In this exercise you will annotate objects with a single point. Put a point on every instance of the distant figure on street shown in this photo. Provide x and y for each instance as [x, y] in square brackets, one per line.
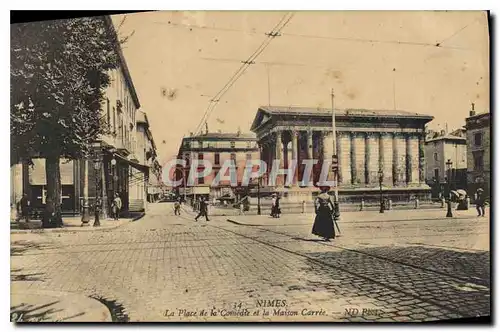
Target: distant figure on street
[23, 208]
[177, 207]
[324, 208]
[116, 206]
[303, 206]
[97, 210]
[480, 202]
[278, 209]
[203, 210]
[275, 209]
[273, 205]
[241, 208]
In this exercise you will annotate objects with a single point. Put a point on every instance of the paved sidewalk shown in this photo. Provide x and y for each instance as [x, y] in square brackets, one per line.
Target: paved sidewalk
[29, 306]
[73, 224]
[352, 217]
[296, 208]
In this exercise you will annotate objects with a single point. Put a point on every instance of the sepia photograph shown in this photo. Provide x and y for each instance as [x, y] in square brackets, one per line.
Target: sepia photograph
[250, 166]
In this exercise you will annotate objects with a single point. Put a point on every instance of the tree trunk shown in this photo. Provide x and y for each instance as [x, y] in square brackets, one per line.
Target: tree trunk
[53, 217]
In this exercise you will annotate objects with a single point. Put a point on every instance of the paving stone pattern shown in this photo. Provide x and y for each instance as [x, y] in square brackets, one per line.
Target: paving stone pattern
[169, 263]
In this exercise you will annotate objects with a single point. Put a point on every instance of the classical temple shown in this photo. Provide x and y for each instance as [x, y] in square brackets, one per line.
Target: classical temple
[375, 149]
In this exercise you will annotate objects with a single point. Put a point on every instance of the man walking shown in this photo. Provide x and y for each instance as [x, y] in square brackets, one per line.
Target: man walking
[177, 207]
[24, 208]
[480, 202]
[203, 210]
[116, 206]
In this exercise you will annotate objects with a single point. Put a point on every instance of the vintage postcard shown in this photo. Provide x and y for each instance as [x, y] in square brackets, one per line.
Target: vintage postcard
[251, 166]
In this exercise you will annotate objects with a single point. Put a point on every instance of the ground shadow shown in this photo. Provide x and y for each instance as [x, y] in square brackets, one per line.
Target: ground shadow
[309, 240]
[18, 248]
[26, 276]
[28, 313]
[409, 279]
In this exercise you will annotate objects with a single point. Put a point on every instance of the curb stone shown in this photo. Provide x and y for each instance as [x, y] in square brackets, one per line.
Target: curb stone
[94, 310]
[142, 215]
[235, 221]
[89, 228]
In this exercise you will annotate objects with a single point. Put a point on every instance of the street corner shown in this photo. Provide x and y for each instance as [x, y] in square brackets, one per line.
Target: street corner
[73, 225]
[53, 306]
[266, 220]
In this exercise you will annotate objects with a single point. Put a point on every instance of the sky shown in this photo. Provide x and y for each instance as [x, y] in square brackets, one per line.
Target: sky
[374, 60]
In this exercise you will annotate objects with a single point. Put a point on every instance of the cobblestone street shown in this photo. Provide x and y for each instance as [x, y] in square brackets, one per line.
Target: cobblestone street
[411, 266]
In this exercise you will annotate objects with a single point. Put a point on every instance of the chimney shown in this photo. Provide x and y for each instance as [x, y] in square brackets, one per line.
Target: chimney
[472, 111]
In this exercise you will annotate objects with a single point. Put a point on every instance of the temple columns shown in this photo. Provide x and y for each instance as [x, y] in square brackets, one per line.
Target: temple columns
[381, 156]
[328, 153]
[408, 160]
[352, 138]
[295, 154]
[367, 158]
[421, 159]
[310, 144]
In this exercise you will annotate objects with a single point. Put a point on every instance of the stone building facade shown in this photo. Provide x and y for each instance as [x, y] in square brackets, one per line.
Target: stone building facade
[107, 171]
[370, 144]
[478, 128]
[443, 149]
[216, 148]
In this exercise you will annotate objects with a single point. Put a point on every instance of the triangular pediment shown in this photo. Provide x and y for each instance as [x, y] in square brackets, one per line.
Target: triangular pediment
[261, 118]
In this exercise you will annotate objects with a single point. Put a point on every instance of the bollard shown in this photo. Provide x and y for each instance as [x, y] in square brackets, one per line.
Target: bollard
[417, 203]
[449, 214]
[362, 205]
[467, 203]
[390, 205]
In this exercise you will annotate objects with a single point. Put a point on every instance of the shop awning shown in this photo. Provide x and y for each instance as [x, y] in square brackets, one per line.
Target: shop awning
[142, 168]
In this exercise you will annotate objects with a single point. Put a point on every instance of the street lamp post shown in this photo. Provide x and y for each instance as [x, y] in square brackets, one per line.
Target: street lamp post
[449, 213]
[258, 183]
[380, 180]
[335, 161]
[98, 203]
[85, 206]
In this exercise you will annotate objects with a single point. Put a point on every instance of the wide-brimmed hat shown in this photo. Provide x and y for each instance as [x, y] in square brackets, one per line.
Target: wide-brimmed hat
[324, 188]
[480, 189]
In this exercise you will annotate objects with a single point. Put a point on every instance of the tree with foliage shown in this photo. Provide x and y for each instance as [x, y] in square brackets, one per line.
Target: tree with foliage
[59, 70]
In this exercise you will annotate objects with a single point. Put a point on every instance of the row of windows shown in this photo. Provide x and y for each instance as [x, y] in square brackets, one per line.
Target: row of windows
[216, 157]
[436, 157]
[123, 94]
[117, 124]
[478, 139]
[478, 157]
[219, 144]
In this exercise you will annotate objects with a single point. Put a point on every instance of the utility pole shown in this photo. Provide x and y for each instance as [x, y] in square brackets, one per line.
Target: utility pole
[394, 87]
[85, 209]
[335, 158]
[268, 86]
[184, 178]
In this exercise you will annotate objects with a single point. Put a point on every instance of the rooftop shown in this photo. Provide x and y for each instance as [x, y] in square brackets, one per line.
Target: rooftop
[448, 137]
[141, 117]
[224, 136]
[477, 116]
[341, 112]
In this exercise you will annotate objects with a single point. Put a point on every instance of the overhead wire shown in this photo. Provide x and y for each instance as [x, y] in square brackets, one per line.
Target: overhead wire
[270, 36]
[237, 74]
[346, 39]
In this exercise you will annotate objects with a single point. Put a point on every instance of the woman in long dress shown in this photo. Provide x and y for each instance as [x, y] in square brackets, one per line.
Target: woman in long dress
[323, 223]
